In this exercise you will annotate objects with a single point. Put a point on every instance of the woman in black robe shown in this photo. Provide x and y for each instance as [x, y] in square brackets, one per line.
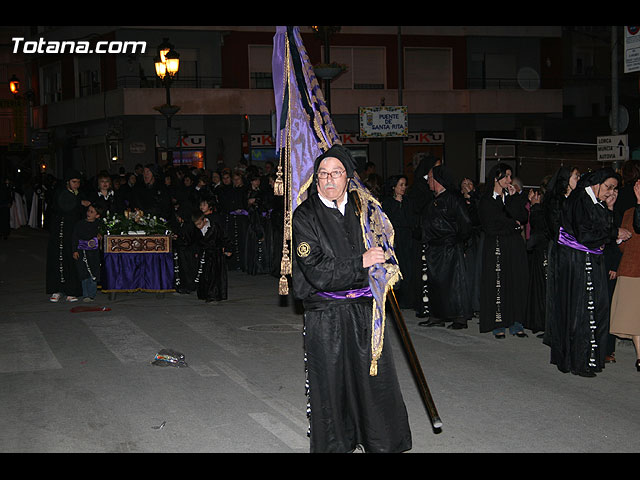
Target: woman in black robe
[473, 245]
[400, 210]
[66, 210]
[537, 251]
[503, 289]
[236, 218]
[258, 241]
[420, 196]
[211, 279]
[580, 317]
[561, 184]
[185, 249]
[445, 228]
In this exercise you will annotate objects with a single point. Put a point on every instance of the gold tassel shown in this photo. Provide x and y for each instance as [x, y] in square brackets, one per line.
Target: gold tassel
[283, 287]
[373, 370]
[285, 263]
[278, 186]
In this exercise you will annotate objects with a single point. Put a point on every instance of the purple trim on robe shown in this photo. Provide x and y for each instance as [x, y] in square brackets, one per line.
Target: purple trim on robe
[358, 292]
[239, 212]
[568, 240]
[91, 244]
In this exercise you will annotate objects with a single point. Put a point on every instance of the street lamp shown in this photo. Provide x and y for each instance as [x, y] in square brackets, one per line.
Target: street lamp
[167, 65]
[14, 85]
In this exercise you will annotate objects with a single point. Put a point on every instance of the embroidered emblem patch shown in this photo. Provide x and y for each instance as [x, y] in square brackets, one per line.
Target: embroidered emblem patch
[303, 249]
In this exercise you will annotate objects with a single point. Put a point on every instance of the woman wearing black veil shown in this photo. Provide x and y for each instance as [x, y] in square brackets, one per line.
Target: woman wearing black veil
[561, 184]
[504, 277]
[400, 210]
[579, 319]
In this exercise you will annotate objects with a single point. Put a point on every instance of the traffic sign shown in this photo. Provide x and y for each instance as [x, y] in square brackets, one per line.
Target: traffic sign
[613, 147]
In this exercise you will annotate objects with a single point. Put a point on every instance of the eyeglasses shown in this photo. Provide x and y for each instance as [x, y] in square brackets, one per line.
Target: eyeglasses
[334, 174]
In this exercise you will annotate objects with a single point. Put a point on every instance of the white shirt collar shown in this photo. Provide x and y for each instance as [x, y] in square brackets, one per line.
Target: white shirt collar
[591, 194]
[206, 226]
[331, 204]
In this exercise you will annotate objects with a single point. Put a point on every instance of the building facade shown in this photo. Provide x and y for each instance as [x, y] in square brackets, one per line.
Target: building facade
[460, 85]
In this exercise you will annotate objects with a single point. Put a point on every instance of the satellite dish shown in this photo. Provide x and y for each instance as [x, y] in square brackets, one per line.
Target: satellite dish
[528, 79]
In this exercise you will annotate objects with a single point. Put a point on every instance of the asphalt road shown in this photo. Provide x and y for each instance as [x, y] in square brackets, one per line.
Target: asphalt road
[85, 382]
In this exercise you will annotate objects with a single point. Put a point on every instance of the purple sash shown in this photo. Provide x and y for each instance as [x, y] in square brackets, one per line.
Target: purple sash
[91, 244]
[239, 212]
[358, 292]
[568, 240]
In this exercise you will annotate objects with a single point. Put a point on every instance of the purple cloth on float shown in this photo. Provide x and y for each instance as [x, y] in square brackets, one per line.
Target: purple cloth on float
[358, 292]
[568, 240]
[138, 271]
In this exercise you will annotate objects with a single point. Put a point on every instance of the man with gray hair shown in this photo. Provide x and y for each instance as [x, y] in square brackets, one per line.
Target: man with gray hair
[349, 406]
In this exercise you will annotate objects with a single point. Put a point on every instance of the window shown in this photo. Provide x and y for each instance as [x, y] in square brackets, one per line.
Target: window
[51, 84]
[88, 75]
[427, 69]
[365, 67]
[260, 66]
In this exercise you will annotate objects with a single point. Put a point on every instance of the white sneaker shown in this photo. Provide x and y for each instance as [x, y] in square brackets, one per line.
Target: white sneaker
[71, 298]
[55, 297]
[87, 299]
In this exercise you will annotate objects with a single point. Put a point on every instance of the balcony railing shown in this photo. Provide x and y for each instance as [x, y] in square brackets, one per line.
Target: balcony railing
[133, 81]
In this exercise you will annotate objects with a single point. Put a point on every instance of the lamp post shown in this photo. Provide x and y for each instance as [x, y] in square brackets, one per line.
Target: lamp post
[324, 33]
[167, 65]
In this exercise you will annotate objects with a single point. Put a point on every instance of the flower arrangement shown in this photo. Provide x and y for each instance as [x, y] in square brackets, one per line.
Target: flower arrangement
[133, 222]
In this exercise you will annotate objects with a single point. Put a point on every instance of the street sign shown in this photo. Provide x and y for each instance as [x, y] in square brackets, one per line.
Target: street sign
[631, 49]
[383, 121]
[613, 148]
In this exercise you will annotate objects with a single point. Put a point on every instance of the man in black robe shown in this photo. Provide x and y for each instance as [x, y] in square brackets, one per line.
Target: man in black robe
[348, 407]
[61, 273]
[445, 228]
[153, 198]
[579, 321]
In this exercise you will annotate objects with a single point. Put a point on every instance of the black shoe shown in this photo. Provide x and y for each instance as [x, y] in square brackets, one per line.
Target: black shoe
[457, 326]
[500, 336]
[586, 374]
[422, 315]
[521, 334]
[431, 323]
